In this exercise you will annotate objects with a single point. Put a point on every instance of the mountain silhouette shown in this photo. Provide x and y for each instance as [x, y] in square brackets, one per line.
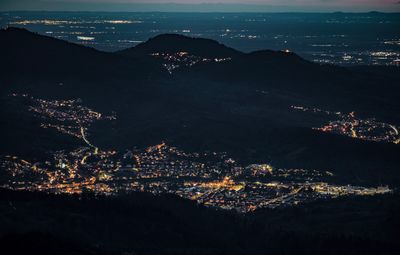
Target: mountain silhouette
[27, 53]
[172, 43]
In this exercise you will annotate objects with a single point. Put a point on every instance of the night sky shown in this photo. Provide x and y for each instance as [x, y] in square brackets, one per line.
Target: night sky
[203, 5]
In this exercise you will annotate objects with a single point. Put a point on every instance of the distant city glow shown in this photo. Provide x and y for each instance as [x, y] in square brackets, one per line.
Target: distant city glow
[245, 32]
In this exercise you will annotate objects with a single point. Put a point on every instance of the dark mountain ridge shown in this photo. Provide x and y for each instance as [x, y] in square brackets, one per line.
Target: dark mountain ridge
[172, 43]
[29, 54]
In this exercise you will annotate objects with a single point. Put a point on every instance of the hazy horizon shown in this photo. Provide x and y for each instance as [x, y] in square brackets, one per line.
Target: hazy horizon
[201, 6]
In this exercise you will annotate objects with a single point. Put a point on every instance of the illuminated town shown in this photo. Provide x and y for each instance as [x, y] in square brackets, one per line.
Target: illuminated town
[210, 178]
[349, 124]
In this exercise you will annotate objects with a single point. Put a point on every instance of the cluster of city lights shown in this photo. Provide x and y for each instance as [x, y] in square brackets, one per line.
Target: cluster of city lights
[211, 178]
[349, 124]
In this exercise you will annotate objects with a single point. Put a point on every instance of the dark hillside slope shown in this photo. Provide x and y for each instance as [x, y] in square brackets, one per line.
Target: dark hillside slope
[35, 56]
[365, 89]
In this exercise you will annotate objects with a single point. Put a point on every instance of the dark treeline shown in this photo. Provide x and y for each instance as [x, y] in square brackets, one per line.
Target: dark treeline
[140, 223]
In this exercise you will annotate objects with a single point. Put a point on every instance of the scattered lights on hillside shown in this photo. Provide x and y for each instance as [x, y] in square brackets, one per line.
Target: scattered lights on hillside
[350, 125]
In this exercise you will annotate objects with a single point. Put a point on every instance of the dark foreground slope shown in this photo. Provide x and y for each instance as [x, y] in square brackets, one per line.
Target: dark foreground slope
[143, 224]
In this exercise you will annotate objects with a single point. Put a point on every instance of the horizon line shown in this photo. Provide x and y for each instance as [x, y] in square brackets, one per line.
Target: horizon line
[193, 7]
[188, 11]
